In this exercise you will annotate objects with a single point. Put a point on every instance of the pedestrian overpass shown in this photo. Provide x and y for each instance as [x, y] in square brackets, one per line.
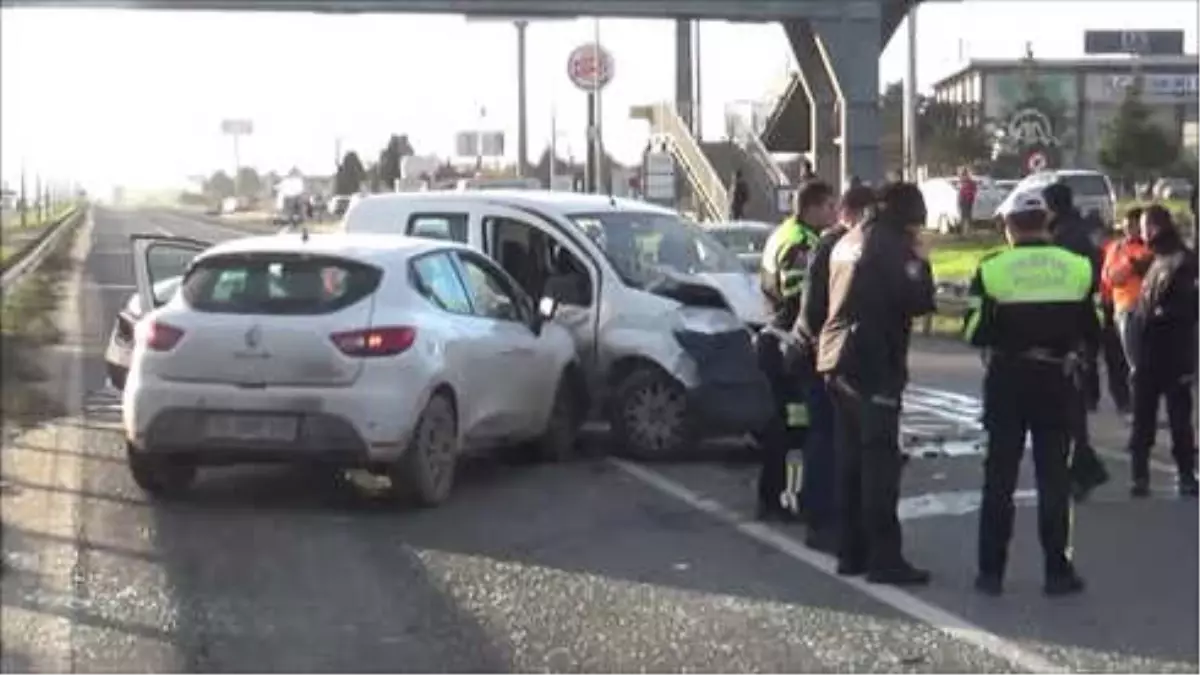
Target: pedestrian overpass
[829, 109]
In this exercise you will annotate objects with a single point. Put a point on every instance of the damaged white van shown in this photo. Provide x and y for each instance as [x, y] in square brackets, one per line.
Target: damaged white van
[661, 313]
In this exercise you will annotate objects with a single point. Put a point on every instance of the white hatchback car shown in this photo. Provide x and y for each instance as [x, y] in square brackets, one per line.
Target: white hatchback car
[384, 352]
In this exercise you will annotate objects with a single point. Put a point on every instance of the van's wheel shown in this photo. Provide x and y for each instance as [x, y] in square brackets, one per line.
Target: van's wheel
[160, 477]
[425, 474]
[649, 415]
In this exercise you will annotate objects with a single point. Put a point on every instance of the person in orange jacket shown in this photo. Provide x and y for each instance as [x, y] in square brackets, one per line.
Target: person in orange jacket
[1126, 261]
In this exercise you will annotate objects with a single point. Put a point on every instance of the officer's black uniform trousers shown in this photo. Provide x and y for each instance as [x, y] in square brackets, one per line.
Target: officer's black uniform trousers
[1115, 367]
[1021, 396]
[869, 461]
[1149, 384]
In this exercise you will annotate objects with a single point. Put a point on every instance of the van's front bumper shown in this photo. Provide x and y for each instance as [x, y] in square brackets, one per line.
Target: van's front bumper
[733, 396]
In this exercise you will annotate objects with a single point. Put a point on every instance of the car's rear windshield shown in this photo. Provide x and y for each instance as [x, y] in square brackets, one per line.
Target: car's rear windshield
[278, 283]
[1086, 184]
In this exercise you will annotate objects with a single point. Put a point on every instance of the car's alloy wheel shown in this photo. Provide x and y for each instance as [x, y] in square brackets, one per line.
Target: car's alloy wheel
[651, 418]
[426, 472]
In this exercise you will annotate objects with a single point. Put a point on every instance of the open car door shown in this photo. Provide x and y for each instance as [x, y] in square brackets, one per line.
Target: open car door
[158, 259]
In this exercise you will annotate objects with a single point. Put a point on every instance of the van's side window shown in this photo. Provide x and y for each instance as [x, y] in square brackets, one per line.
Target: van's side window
[445, 226]
[538, 262]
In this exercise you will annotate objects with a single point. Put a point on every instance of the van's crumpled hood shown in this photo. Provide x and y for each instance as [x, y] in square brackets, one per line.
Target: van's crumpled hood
[735, 291]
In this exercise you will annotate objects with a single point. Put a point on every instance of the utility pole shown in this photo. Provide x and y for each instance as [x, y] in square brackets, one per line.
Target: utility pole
[910, 100]
[522, 120]
[553, 147]
[602, 179]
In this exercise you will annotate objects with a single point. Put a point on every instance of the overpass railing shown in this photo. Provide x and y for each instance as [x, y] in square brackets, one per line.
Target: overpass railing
[741, 133]
[710, 191]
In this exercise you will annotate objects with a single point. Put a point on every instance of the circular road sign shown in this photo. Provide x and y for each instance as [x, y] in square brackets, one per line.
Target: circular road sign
[585, 72]
[1036, 161]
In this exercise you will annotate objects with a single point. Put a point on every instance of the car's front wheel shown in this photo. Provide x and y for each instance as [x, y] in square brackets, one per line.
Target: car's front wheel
[425, 473]
[160, 477]
[649, 415]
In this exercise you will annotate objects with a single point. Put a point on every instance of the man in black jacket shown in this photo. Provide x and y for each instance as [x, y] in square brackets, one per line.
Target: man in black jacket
[879, 281]
[1162, 342]
[1083, 237]
[819, 478]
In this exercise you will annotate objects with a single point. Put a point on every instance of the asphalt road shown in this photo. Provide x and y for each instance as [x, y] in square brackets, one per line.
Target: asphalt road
[596, 565]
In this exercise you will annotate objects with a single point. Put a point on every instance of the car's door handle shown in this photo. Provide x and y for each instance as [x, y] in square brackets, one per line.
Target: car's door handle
[516, 351]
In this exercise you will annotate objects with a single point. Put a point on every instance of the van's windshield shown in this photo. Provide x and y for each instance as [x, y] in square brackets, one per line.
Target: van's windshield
[644, 246]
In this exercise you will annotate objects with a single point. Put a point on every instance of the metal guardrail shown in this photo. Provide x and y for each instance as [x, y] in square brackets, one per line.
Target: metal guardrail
[32, 255]
[666, 122]
[951, 299]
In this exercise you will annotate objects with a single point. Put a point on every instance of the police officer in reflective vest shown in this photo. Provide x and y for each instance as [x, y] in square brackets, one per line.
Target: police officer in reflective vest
[782, 274]
[1031, 309]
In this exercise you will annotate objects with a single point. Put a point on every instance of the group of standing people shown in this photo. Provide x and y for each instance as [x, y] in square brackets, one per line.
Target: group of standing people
[1148, 287]
[846, 278]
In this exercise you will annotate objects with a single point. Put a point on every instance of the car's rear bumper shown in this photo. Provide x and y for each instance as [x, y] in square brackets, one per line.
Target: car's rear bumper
[354, 426]
[322, 437]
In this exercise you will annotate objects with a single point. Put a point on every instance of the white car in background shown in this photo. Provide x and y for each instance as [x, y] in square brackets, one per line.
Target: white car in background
[394, 354]
[1093, 192]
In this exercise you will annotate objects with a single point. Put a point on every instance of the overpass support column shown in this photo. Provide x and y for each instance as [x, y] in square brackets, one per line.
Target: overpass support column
[847, 48]
[822, 98]
[685, 97]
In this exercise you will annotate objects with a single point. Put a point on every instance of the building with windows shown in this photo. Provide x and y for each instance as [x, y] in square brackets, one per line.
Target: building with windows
[1061, 107]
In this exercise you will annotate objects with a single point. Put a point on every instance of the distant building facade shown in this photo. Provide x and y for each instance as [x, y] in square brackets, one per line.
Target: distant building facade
[1061, 107]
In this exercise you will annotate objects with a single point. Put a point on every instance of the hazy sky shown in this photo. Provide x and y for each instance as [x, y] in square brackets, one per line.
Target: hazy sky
[112, 96]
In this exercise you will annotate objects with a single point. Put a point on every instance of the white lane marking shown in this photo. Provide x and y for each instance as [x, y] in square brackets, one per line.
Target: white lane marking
[965, 502]
[940, 619]
[965, 412]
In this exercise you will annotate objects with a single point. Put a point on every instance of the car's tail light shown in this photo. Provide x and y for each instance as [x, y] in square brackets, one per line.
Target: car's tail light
[384, 341]
[159, 336]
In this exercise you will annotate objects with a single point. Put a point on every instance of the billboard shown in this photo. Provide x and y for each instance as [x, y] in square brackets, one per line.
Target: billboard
[1144, 42]
[237, 127]
[467, 144]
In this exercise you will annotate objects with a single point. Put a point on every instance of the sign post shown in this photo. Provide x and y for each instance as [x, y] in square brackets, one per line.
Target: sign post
[236, 129]
[590, 68]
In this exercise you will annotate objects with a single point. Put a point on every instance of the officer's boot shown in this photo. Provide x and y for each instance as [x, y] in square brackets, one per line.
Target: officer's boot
[1186, 464]
[1139, 467]
[1063, 581]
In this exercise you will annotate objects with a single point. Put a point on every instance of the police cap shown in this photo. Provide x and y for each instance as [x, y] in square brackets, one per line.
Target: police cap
[1026, 201]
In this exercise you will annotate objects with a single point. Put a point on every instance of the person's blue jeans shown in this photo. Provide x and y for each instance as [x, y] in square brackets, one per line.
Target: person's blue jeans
[819, 479]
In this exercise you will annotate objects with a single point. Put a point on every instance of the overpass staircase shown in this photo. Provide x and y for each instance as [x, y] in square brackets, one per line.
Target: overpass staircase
[709, 167]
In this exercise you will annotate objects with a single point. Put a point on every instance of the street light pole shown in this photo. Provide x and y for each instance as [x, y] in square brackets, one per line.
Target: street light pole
[598, 140]
[522, 121]
[910, 99]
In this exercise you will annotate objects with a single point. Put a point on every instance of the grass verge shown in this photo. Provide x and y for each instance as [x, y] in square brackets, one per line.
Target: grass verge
[955, 257]
[27, 326]
[17, 238]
